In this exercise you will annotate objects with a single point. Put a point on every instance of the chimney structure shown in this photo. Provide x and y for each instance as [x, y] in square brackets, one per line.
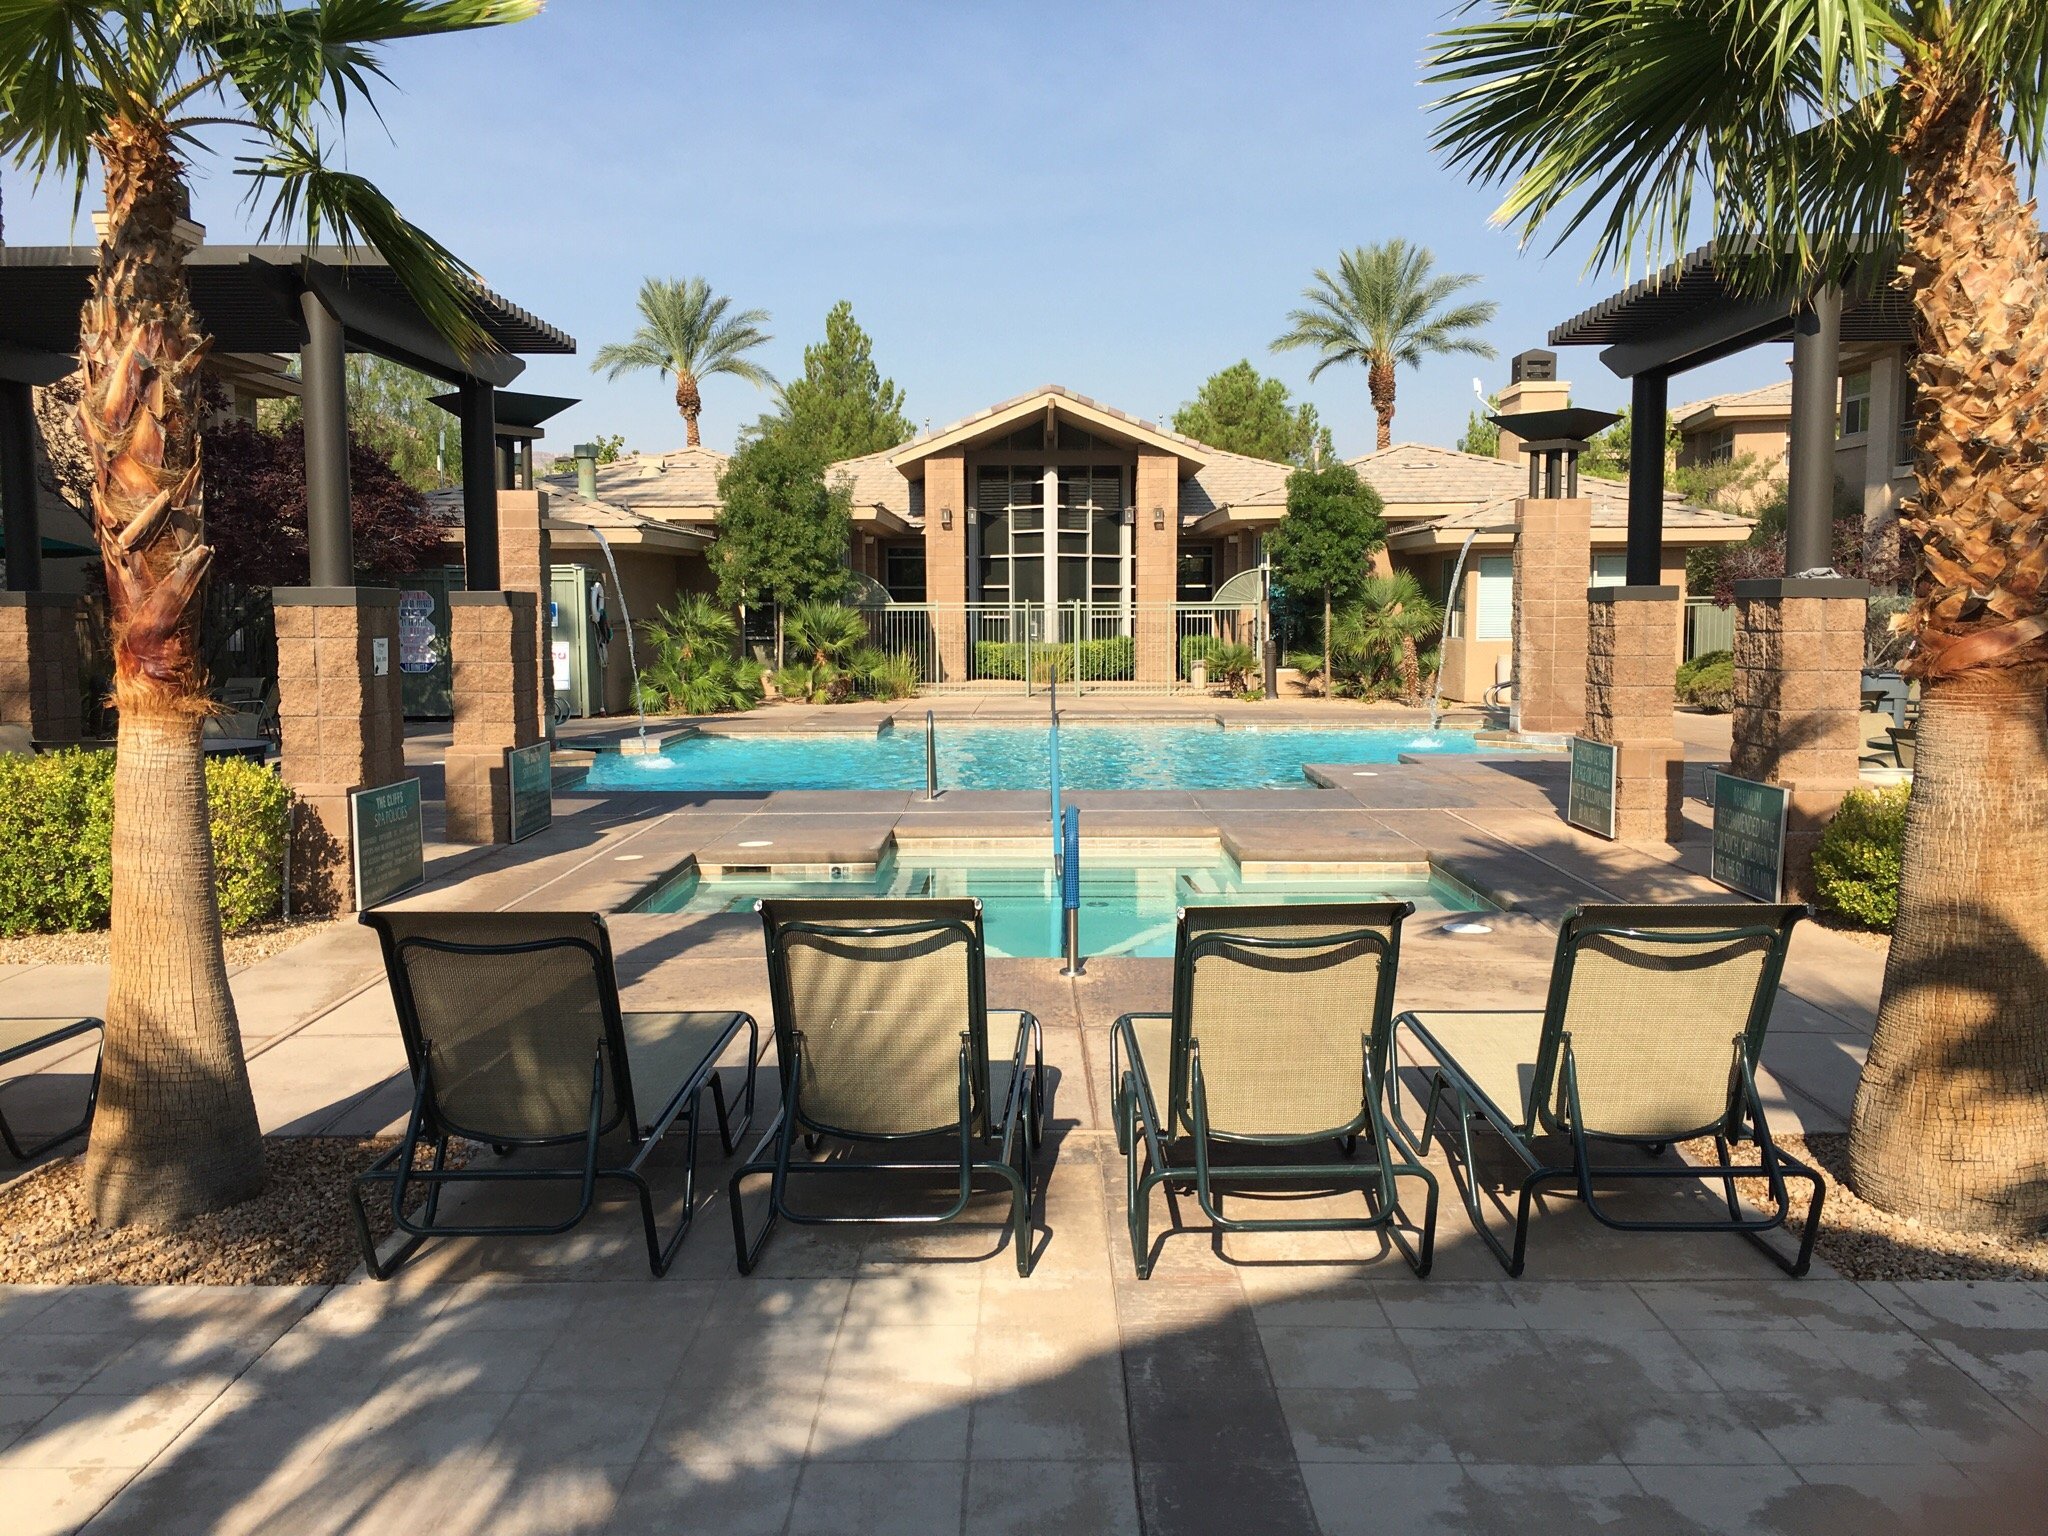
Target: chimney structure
[1533, 385]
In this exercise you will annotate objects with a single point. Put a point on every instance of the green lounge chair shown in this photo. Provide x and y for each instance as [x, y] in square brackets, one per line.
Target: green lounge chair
[22, 1038]
[1650, 1035]
[882, 1031]
[515, 1037]
[1279, 1037]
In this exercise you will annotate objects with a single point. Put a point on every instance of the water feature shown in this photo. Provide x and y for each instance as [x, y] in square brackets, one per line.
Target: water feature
[626, 615]
[1457, 591]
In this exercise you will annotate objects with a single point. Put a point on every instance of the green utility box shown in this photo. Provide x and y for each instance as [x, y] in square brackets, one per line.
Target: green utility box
[579, 634]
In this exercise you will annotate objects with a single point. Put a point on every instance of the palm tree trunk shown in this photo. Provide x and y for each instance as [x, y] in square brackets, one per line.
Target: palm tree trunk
[1951, 1116]
[690, 401]
[176, 1131]
[1379, 380]
[1411, 668]
[1329, 682]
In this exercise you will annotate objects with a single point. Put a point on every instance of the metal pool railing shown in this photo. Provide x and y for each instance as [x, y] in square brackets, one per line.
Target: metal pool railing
[931, 758]
[1070, 890]
[1024, 647]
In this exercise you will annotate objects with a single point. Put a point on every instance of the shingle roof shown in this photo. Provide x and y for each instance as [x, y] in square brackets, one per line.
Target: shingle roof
[1137, 424]
[685, 480]
[1771, 398]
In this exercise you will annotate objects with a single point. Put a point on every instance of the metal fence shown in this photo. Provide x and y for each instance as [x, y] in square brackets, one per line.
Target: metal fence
[1708, 627]
[1023, 647]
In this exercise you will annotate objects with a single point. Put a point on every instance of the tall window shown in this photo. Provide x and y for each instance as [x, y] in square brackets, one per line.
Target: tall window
[1010, 501]
[1085, 560]
[1496, 616]
[1856, 403]
[1091, 517]
[1909, 410]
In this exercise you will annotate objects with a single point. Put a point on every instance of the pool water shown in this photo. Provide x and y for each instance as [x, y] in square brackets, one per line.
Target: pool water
[1127, 908]
[1016, 757]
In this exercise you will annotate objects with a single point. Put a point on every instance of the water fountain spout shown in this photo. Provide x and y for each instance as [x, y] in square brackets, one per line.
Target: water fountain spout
[1436, 693]
[626, 613]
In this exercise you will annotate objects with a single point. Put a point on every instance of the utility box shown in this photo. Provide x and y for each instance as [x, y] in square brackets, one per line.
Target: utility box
[579, 636]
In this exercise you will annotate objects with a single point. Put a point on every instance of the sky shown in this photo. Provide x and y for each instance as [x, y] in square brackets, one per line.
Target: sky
[1117, 197]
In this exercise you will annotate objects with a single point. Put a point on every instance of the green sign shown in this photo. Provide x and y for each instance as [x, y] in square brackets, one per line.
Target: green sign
[387, 839]
[1749, 836]
[531, 774]
[1589, 801]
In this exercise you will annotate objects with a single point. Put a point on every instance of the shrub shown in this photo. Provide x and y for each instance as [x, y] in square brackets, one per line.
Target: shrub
[1234, 666]
[1109, 659]
[1708, 681]
[56, 830]
[691, 669]
[1856, 861]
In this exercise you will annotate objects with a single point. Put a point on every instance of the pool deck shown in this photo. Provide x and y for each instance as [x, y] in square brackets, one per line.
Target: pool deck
[872, 1381]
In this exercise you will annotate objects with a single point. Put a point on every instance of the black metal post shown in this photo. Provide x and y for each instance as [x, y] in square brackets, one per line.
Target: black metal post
[18, 488]
[479, 485]
[323, 366]
[1816, 373]
[508, 474]
[1649, 400]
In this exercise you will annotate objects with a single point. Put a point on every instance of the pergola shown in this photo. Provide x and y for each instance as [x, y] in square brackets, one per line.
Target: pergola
[1688, 315]
[320, 302]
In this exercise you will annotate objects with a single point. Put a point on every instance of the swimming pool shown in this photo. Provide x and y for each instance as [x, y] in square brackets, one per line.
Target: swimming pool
[1127, 907]
[1092, 756]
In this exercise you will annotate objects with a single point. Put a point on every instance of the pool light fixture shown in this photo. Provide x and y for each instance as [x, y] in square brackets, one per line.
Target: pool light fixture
[759, 842]
[1466, 927]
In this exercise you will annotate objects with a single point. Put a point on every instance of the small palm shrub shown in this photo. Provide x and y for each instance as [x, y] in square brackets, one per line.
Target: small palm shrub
[1856, 861]
[824, 632]
[880, 675]
[691, 669]
[1233, 665]
[1708, 681]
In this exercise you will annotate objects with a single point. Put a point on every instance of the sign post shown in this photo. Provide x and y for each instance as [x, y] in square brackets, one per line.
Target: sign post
[530, 778]
[1589, 802]
[1749, 836]
[387, 841]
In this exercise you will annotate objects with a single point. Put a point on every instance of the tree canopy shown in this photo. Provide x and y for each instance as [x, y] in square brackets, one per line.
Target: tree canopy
[841, 407]
[1242, 412]
[391, 409]
[687, 330]
[1326, 541]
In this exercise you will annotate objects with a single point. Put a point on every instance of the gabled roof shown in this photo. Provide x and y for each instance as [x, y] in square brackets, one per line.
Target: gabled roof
[1020, 408]
[1423, 472]
[1766, 403]
[682, 484]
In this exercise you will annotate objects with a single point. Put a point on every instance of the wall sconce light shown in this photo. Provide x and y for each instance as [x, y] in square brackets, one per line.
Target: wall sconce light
[946, 517]
[1159, 519]
[1130, 520]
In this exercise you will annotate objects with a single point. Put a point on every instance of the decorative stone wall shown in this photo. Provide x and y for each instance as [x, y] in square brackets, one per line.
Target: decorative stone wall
[1156, 556]
[1798, 701]
[492, 643]
[1631, 638]
[523, 558]
[39, 665]
[342, 721]
[945, 559]
[1553, 563]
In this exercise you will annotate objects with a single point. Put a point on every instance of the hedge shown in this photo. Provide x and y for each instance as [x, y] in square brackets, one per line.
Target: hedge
[56, 829]
[1856, 862]
[1110, 659]
[1708, 681]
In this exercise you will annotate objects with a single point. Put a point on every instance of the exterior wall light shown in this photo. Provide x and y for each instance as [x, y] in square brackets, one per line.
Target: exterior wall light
[1159, 519]
[946, 517]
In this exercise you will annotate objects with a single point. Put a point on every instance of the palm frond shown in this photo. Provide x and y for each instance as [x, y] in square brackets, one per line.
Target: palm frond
[685, 329]
[1385, 301]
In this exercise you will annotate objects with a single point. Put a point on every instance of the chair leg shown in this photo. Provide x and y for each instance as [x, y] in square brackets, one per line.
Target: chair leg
[781, 1134]
[24, 1154]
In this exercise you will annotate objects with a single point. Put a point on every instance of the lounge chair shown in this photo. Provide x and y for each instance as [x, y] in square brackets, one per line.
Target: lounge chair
[1650, 1035]
[515, 1038]
[882, 1036]
[22, 1038]
[1278, 1037]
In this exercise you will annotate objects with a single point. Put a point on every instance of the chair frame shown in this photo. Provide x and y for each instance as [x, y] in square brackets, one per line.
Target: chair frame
[80, 1026]
[1022, 1124]
[429, 1123]
[1137, 1109]
[1743, 1120]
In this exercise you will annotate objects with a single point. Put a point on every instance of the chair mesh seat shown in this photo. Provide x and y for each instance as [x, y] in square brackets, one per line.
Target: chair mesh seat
[664, 1050]
[22, 1034]
[1496, 1052]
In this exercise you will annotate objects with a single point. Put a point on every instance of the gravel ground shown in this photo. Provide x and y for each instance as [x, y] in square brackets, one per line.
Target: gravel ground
[1863, 1243]
[299, 1231]
[245, 948]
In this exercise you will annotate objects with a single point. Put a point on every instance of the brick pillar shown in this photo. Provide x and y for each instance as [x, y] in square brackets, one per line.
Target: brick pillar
[343, 724]
[945, 560]
[1156, 556]
[1798, 695]
[39, 665]
[491, 639]
[1631, 640]
[1553, 563]
[523, 559]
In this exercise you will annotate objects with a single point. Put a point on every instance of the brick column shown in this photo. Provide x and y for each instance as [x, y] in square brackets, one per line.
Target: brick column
[491, 640]
[1798, 695]
[39, 665]
[1156, 556]
[1631, 640]
[945, 560]
[1553, 563]
[523, 559]
[343, 724]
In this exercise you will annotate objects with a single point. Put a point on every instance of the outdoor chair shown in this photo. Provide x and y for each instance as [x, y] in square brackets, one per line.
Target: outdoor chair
[882, 1037]
[1649, 1036]
[22, 1038]
[1279, 1038]
[515, 1038]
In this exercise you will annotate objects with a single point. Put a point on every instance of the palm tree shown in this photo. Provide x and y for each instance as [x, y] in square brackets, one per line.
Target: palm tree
[1864, 136]
[1387, 623]
[684, 330]
[1386, 305]
[134, 86]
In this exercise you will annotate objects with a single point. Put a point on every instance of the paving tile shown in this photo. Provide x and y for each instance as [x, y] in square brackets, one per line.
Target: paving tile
[35, 1361]
[19, 1411]
[662, 1497]
[1326, 1358]
[1684, 1429]
[598, 1429]
[1409, 1497]
[55, 1501]
[1816, 1429]
[175, 1499]
[1460, 1305]
[1495, 1396]
[1367, 1424]
[879, 1499]
[111, 1431]
[1051, 1498]
[253, 1427]
[1589, 1498]
[1036, 1399]
[1213, 1497]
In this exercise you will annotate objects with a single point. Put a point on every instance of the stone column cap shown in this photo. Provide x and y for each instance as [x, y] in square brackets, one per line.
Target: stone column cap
[1765, 590]
[38, 599]
[334, 597]
[1631, 594]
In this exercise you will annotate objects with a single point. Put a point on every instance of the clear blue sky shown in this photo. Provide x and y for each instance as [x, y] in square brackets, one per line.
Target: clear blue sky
[1120, 198]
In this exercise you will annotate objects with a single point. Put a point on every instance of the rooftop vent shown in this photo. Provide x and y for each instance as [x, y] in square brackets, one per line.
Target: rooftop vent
[1532, 367]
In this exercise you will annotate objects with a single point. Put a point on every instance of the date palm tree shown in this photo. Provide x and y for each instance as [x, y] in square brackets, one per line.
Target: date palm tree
[685, 330]
[1386, 305]
[135, 86]
[1824, 139]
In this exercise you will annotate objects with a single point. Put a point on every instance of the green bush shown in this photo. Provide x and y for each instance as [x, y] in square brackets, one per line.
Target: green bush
[1110, 659]
[1708, 681]
[56, 830]
[1856, 862]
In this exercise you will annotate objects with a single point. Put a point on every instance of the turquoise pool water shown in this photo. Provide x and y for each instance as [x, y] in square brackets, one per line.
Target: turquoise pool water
[1127, 908]
[1016, 757]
